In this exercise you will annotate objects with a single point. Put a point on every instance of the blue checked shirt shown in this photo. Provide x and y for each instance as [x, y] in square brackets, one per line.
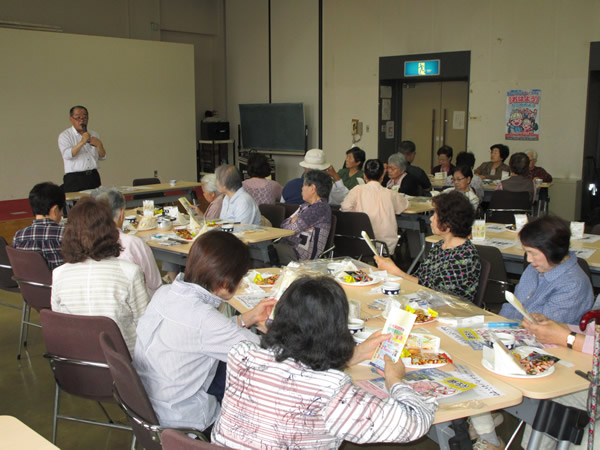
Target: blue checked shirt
[43, 236]
[563, 294]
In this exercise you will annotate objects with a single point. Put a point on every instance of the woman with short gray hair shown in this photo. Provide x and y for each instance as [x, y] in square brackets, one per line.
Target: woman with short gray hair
[400, 180]
[212, 195]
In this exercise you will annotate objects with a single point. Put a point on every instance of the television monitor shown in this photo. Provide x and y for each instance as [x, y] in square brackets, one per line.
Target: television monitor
[273, 127]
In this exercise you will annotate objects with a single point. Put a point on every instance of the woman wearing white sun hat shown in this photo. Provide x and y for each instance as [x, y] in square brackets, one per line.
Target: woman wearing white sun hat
[314, 159]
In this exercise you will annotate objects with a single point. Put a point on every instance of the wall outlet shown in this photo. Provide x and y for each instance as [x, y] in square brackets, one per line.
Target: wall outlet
[156, 174]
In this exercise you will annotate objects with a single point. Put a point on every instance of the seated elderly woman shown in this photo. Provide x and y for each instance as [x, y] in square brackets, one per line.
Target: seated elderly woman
[291, 391]
[351, 174]
[183, 340]
[263, 191]
[379, 203]
[133, 248]
[238, 205]
[400, 180]
[93, 281]
[212, 195]
[492, 170]
[553, 284]
[452, 265]
[462, 183]
[311, 221]
[445, 161]
[519, 180]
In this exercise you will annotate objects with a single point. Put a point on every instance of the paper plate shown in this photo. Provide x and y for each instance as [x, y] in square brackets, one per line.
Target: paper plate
[428, 366]
[430, 320]
[375, 280]
[485, 363]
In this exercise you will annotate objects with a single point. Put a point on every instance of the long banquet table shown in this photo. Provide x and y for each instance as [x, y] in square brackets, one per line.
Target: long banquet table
[520, 395]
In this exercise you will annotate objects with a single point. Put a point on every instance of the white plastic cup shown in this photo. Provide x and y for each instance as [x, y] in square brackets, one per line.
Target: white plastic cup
[390, 288]
[356, 325]
[479, 230]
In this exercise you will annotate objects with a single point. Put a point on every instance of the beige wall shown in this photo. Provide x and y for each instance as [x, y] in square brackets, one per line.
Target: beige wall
[137, 94]
[294, 71]
[541, 44]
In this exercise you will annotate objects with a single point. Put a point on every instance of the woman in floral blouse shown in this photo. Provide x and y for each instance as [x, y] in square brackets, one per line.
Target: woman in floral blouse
[452, 265]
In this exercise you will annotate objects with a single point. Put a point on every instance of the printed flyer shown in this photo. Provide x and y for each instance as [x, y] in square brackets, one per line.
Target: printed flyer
[523, 115]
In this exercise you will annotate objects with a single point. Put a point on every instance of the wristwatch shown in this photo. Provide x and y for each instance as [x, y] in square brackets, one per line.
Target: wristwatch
[571, 339]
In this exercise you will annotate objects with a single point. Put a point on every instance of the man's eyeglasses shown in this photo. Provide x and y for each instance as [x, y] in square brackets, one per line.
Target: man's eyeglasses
[79, 117]
[458, 179]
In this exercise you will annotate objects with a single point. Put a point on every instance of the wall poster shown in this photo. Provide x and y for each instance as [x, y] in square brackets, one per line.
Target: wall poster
[523, 115]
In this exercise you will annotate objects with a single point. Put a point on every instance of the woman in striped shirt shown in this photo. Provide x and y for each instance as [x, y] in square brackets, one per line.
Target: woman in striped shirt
[291, 391]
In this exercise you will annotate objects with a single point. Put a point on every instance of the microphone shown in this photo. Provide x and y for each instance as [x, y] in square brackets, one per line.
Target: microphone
[84, 128]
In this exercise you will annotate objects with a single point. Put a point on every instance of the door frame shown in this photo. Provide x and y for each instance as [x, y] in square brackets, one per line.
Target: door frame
[454, 66]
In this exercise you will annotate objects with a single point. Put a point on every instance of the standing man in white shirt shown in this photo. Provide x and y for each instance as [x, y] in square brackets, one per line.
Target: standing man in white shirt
[81, 149]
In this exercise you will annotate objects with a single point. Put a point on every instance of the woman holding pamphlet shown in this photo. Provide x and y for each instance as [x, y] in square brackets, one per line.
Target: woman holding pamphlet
[553, 284]
[290, 392]
[452, 265]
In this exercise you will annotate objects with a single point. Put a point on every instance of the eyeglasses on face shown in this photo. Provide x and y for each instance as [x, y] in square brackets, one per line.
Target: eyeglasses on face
[458, 179]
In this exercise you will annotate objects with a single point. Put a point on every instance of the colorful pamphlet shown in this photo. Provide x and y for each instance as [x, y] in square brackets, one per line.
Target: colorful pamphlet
[399, 323]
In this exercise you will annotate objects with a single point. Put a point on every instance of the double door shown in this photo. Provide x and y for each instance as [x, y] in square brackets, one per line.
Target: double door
[435, 114]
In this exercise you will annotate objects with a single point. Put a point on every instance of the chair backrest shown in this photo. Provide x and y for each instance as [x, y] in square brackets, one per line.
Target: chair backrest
[483, 282]
[6, 281]
[497, 282]
[131, 392]
[348, 240]
[595, 229]
[330, 246]
[76, 338]
[33, 276]
[176, 440]
[505, 204]
[290, 208]
[145, 182]
[275, 213]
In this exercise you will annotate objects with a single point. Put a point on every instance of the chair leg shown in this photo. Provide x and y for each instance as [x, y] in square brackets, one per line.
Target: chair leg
[55, 416]
[105, 412]
[514, 435]
[21, 331]
[27, 326]
[133, 442]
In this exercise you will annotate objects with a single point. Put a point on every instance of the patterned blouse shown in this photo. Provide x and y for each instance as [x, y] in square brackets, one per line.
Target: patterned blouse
[275, 405]
[263, 191]
[454, 271]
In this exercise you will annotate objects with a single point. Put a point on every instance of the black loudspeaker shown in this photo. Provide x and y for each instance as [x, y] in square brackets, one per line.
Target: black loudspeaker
[214, 131]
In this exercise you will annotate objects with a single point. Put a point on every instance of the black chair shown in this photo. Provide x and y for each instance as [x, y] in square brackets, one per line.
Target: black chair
[146, 182]
[77, 360]
[275, 213]
[595, 229]
[290, 208]
[484, 276]
[7, 283]
[505, 204]
[130, 394]
[34, 278]
[330, 245]
[348, 239]
[497, 283]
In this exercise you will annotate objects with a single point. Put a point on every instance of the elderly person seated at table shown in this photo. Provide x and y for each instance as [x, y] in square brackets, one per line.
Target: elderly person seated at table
[400, 180]
[553, 283]
[291, 392]
[317, 160]
[93, 281]
[352, 173]
[183, 340]
[445, 161]
[468, 159]
[311, 221]
[379, 203]
[492, 170]
[537, 171]
[45, 234]
[462, 183]
[263, 191]
[550, 332]
[238, 205]
[452, 265]
[134, 249]
[519, 180]
[211, 194]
